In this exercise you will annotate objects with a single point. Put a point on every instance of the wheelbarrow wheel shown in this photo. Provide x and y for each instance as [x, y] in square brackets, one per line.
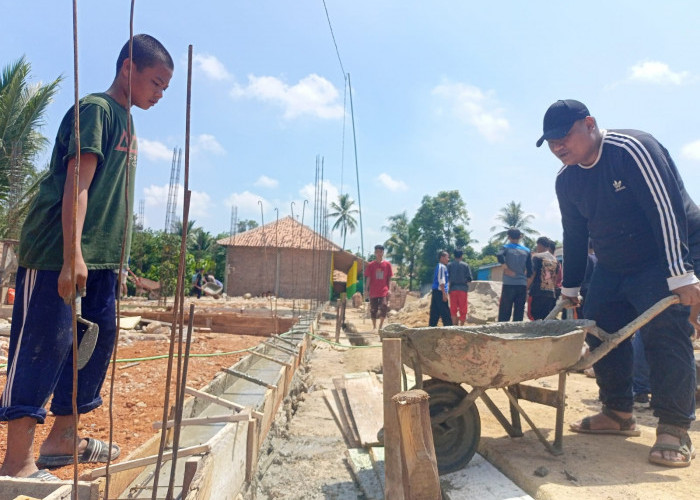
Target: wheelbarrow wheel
[456, 439]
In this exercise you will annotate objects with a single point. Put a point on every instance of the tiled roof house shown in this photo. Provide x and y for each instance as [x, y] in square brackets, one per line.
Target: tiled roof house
[285, 258]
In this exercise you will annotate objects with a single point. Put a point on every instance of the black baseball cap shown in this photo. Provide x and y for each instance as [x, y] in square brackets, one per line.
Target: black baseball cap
[560, 117]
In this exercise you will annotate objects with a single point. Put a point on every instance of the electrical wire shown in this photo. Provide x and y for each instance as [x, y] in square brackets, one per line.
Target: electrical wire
[334, 42]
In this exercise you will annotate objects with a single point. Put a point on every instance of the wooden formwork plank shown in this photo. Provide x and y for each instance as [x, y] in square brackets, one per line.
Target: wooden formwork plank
[340, 419]
[341, 398]
[366, 406]
[11, 488]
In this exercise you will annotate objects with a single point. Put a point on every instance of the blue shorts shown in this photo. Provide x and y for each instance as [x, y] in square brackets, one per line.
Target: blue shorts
[40, 360]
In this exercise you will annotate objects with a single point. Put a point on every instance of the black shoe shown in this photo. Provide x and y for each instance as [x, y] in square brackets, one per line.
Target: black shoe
[642, 397]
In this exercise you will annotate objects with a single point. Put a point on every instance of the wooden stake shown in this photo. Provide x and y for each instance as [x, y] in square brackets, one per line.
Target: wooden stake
[191, 465]
[251, 456]
[391, 368]
[420, 479]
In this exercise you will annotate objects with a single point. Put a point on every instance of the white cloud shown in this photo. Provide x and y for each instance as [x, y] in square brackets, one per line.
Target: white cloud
[391, 184]
[313, 95]
[155, 150]
[691, 150]
[266, 182]
[207, 143]
[477, 108]
[657, 72]
[211, 67]
[247, 204]
[308, 191]
[157, 197]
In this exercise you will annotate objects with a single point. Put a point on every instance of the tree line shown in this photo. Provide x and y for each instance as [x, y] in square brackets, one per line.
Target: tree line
[440, 223]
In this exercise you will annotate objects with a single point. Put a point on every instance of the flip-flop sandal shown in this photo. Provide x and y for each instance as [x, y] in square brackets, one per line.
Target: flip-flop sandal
[96, 451]
[43, 475]
[627, 425]
[685, 448]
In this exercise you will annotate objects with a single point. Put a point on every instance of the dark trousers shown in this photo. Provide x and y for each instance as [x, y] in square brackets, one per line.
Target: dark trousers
[513, 299]
[439, 309]
[40, 361]
[541, 306]
[613, 300]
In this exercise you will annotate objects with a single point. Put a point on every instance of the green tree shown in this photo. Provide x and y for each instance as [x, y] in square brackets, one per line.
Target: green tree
[442, 222]
[246, 225]
[513, 216]
[22, 109]
[219, 257]
[404, 246]
[343, 214]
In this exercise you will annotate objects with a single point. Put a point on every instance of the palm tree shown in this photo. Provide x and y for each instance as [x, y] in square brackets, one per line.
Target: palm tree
[22, 109]
[512, 215]
[404, 245]
[343, 211]
[201, 244]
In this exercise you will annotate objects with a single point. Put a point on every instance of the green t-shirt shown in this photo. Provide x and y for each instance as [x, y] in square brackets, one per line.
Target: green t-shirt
[104, 132]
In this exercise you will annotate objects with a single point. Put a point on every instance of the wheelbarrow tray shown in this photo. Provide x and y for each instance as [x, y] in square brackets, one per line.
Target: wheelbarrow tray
[212, 289]
[495, 355]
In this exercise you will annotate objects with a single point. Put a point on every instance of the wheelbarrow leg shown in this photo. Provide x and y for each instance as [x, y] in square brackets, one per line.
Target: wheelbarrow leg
[561, 400]
[509, 428]
[514, 415]
[532, 425]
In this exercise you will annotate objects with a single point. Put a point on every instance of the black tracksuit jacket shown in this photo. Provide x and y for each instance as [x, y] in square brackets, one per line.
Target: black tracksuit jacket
[633, 205]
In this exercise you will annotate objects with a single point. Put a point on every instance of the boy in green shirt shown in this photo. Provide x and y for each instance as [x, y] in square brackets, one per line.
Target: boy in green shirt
[40, 359]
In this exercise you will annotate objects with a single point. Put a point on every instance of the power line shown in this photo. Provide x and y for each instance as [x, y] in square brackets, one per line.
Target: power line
[334, 42]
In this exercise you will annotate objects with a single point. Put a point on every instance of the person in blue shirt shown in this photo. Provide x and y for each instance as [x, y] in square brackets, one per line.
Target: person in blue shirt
[439, 308]
[517, 269]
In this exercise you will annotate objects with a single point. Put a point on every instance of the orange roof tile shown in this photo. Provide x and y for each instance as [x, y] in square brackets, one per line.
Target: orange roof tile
[285, 233]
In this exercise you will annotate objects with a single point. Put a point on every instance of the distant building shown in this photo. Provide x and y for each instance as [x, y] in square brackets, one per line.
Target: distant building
[490, 272]
[286, 259]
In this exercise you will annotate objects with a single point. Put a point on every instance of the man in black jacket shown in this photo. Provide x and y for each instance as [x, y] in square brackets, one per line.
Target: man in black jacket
[622, 189]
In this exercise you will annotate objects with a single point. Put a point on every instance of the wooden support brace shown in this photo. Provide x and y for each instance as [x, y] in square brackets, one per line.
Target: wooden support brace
[420, 479]
[280, 348]
[247, 377]
[279, 337]
[222, 402]
[270, 358]
[238, 417]
[143, 462]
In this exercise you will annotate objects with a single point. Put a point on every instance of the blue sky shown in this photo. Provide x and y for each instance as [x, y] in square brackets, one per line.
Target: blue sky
[447, 95]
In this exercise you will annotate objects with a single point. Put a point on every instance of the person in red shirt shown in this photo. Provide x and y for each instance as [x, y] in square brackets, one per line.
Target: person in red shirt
[378, 277]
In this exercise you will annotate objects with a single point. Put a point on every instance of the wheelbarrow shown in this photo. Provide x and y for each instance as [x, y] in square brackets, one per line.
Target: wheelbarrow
[500, 355]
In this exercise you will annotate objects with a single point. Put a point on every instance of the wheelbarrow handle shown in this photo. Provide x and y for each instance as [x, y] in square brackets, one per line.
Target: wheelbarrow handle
[561, 304]
[612, 340]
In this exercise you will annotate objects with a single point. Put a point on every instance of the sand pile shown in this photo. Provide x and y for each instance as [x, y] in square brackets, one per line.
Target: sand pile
[483, 306]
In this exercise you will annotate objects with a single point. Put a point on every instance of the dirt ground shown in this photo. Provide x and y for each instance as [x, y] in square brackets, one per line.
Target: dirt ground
[139, 389]
[307, 458]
